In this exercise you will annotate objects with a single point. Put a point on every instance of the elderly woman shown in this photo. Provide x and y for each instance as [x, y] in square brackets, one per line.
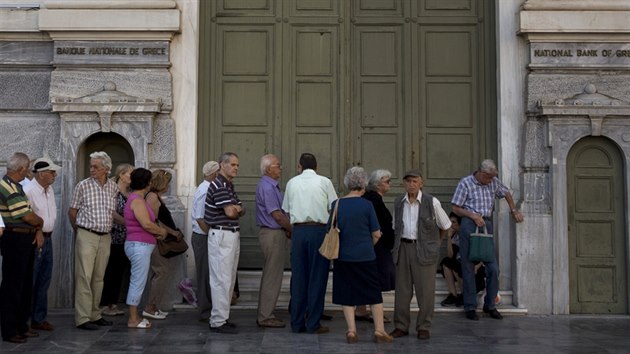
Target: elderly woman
[142, 232]
[355, 272]
[379, 184]
[162, 267]
[118, 263]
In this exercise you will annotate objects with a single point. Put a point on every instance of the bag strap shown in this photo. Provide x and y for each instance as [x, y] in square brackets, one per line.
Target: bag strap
[334, 216]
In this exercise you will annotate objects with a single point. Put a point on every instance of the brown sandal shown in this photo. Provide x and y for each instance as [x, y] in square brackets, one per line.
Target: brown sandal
[382, 337]
[351, 337]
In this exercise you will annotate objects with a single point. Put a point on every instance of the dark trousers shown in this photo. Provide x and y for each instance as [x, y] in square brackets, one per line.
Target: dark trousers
[117, 266]
[204, 297]
[466, 228]
[309, 277]
[17, 282]
[42, 274]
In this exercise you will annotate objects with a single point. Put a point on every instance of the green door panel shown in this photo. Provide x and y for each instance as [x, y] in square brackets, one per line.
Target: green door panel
[597, 237]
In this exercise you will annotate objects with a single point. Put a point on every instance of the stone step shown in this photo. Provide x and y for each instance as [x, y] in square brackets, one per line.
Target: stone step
[249, 286]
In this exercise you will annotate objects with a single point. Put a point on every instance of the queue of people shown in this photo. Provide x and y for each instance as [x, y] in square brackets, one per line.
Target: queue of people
[119, 221]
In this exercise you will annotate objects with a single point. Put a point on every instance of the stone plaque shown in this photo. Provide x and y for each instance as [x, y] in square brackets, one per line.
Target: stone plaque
[580, 55]
[107, 53]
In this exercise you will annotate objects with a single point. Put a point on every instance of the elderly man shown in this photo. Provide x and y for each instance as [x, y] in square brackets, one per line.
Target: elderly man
[474, 202]
[90, 214]
[199, 240]
[42, 196]
[274, 234]
[307, 200]
[223, 209]
[23, 230]
[418, 219]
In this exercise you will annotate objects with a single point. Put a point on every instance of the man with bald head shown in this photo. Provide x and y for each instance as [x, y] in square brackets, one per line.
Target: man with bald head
[274, 234]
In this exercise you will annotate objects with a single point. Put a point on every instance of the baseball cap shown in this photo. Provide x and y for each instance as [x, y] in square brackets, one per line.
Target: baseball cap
[413, 173]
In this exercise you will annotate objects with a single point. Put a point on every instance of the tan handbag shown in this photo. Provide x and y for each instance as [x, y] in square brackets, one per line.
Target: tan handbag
[330, 247]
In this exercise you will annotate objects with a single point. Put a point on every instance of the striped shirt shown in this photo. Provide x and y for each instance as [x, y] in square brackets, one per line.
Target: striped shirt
[14, 204]
[220, 194]
[476, 197]
[95, 204]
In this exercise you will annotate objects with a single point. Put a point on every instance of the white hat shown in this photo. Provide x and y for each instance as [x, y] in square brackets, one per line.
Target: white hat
[45, 164]
[210, 167]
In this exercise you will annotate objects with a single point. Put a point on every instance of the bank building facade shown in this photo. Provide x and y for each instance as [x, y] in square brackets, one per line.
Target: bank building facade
[540, 86]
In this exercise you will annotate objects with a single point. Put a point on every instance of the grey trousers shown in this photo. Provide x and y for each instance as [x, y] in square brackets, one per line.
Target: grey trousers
[274, 245]
[410, 275]
[204, 300]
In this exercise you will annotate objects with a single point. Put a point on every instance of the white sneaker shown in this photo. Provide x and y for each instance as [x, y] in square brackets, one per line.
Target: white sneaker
[157, 315]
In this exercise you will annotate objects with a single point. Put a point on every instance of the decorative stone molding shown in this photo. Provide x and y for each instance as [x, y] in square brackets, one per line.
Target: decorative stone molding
[600, 5]
[110, 4]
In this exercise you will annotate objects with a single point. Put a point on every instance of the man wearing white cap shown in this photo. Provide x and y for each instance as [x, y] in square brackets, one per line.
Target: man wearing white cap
[199, 240]
[42, 197]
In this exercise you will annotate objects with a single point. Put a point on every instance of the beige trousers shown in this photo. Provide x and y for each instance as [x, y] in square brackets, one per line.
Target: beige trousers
[274, 245]
[91, 254]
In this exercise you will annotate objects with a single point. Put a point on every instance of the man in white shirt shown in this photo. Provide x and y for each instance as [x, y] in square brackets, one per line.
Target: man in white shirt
[199, 240]
[42, 197]
[307, 200]
[418, 222]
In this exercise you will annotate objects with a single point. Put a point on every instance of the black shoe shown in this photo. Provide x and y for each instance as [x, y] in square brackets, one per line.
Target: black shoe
[230, 324]
[88, 326]
[472, 315]
[460, 300]
[326, 317]
[15, 339]
[493, 313]
[102, 322]
[449, 301]
[224, 329]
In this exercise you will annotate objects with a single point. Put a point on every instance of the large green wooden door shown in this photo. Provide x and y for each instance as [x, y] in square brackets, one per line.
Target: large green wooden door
[597, 234]
[393, 84]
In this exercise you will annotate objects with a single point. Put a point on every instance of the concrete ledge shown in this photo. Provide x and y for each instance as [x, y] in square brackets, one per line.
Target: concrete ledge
[110, 4]
[540, 21]
[148, 20]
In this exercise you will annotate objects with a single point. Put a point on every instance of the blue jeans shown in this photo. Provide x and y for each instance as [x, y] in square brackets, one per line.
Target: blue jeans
[309, 276]
[42, 274]
[139, 254]
[466, 228]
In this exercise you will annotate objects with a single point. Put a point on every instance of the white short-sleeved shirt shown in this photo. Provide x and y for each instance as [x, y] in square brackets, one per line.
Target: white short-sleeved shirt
[308, 196]
[410, 216]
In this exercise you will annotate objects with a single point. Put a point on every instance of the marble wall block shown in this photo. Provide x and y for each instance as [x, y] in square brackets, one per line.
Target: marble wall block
[24, 89]
[154, 84]
[26, 53]
[162, 150]
[534, 265]
[31, 133]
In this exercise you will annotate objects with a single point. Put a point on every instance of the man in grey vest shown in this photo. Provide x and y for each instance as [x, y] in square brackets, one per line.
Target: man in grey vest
[418, 219]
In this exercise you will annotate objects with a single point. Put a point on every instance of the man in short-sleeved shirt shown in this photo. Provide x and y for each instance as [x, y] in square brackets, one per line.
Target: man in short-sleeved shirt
[42, 196]
[474, 201]
[223, 209]
[199, 240]
[307, 199]
[90, 213]
[274, 234]
[23, 232]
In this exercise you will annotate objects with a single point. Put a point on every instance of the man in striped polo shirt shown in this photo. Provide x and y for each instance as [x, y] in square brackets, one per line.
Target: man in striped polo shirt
[223, 209]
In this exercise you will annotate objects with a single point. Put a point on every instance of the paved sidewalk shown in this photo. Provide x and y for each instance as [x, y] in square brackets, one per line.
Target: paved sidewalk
[451, 333]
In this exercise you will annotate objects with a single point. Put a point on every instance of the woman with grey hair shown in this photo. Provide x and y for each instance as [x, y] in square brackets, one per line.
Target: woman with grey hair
[379, 184]
[355, 272]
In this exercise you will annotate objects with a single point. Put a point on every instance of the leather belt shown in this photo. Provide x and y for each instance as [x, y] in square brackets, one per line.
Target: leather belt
[408, 240]
[309, 224]
[93, 231]
[21, 230]
[228, 228]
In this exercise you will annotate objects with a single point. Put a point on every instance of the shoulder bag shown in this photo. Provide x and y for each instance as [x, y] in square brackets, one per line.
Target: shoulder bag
[330, 247]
